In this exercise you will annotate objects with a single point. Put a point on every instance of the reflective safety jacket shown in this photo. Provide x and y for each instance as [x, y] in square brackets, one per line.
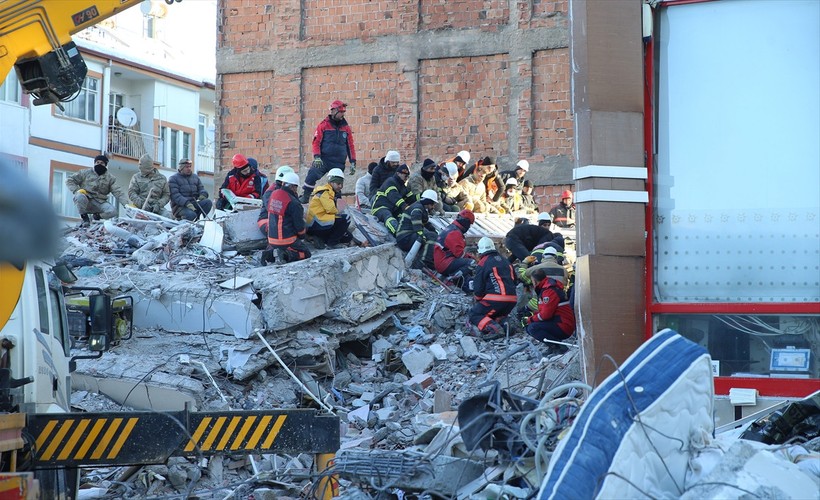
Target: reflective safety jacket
[286, 218]
[563, 216]
[394, 195]
[322, 210]
[413, 221]
[494, 279]
[553, 305]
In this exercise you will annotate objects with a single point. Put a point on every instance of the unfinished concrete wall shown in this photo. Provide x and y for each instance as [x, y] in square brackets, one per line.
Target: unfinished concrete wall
[425, 77]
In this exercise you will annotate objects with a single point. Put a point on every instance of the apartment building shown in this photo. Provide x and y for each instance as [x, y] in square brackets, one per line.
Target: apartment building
[141, 95]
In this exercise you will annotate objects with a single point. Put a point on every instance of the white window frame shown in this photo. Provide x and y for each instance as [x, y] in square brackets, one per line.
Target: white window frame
[10, 90]
[87, 102]
[61, 197]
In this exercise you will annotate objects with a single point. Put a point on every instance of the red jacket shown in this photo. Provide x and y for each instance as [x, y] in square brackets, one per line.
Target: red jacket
[449, 246]
[554, 305]
[244, 187]
[333, 141]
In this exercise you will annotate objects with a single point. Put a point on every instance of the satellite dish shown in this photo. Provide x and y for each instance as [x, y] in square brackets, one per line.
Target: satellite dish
[126, 117]
[145, 7]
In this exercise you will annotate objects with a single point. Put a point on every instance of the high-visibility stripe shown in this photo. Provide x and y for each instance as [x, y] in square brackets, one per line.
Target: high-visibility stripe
[198, 433]
[92, 436]
[100, 449]
[243, 432]
[126, 431]
[75, 437]
[57, 440]
[209, 441]
[228, 433]
[273, 432]
[257, 434]
[41, 439]
[502, 290]
[500, 298]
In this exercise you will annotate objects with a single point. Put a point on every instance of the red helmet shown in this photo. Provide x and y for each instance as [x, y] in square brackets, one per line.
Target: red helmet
[339, 105]
[239, 160]
[566, 194]
[467, 215]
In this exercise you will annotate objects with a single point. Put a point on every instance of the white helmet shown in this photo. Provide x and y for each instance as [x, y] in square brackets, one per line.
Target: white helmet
[290, 178]
[550, 251]
[452, 170]
[392, 156]
[464, 155]
[335, 172]
[429, 195]
[523, 165]
[281, 171]
[485, 245]
[544, 216]
[512, 181]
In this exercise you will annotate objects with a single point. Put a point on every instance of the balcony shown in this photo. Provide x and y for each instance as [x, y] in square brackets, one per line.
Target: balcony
[205, 160]
[132, 143]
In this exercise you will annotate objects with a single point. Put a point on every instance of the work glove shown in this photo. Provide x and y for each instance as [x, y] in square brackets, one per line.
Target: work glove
[203, 196]
[190, 205]
[82, 191]
[529, 260]
[525, 321]
[317, 162]
[352, 167]
[131, 205]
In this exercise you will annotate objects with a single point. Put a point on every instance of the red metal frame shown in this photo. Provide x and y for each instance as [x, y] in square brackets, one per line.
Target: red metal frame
[782, 387]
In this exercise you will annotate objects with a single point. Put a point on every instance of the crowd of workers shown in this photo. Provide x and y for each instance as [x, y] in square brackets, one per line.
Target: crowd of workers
[402, 201]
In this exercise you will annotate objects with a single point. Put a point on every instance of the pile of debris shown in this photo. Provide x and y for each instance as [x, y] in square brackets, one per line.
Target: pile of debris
[383, 347]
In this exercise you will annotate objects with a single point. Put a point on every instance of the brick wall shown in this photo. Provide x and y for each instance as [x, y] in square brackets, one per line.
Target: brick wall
[425, 77]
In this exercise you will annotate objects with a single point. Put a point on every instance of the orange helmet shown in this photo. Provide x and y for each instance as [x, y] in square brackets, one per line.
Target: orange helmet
[566, 194]
[467, 215]
[239, 160]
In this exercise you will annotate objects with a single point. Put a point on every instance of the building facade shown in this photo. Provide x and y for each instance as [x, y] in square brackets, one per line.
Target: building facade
[427, 78]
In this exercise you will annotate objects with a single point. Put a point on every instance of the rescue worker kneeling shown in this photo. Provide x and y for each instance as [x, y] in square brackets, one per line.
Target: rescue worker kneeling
[415, 229]
[324, 220]
[555, 319]
[392, 199]
[449, 256]
[494, 289]
[286, 224]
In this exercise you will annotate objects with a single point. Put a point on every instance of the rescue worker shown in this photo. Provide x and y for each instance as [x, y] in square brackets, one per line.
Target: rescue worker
[494, 289]
[522, 238]
[414, 226]
[450, 259]
[244, 180]
[332, 145]
[511, 200]
[286, 224]
[461, 160]
[323, 218]
[563, 214]
[189, 199]
[392, 199]
[426, 179]
[148, 189]
[384, 170]
[363, 197]
[521, 169]
[555, 319]
[91, 188]
[453, 195]
[528, 203]
[476, 192]
[262, 221]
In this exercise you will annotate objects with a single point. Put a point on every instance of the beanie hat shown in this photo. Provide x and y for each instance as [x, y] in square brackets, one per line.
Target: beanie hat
[403, 168]
[372, 167]
[146, 161]
[427, 163]
[253, 163]
[392, 156]
[102, 158]
[527, 183]
[340, 180]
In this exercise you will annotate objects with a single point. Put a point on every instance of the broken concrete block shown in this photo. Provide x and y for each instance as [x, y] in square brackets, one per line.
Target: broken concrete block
[361, 413]
[385, 413]
[442, 401]
[469, 347]
[417, 360]
[243, 232]
[424, 380]
[438, 352]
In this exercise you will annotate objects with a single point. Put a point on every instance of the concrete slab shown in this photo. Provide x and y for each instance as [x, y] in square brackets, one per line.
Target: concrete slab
[140, 395]
[240, 227]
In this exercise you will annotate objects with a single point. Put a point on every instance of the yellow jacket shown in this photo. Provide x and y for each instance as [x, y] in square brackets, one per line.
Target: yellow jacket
[322, 209]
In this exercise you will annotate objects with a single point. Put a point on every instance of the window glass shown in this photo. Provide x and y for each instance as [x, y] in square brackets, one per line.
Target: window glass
[42, 300]
[10, 89]
[174, 146]
[57, 321]
[84, 106]
[201, 130]
[737, 204]
[186, 145]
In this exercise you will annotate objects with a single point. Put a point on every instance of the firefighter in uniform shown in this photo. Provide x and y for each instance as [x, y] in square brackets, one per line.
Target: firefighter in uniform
[414, 226]
[448, 254]
[555, 319]
[286, 224]
[494, 289]
[392, 199]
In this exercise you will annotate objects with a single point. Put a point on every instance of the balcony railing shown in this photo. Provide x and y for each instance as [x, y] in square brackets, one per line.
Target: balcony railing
[205, 160]
[132, 143]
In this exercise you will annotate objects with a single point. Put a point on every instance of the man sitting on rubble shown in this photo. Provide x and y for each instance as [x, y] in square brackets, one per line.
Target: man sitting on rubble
[384, 170]
[415, 229]
[426, 179]
[364, 199]
[244, 180]
[392, 199]
[91, 188]
[449, 256]
[324, 221]
[476, 191]
[148, 189]
[511, 199]
[494, 289]
[528, 203]
[286, 224]
[189, 199]
[451, 192]
[555, 319]
[262, 221]
[522, 238]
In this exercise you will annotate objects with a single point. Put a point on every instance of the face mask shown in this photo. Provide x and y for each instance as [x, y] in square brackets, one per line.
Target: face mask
[100, 169]
[427, 175]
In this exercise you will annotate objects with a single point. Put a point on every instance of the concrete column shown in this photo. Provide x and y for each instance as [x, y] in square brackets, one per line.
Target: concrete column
[607, 64]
